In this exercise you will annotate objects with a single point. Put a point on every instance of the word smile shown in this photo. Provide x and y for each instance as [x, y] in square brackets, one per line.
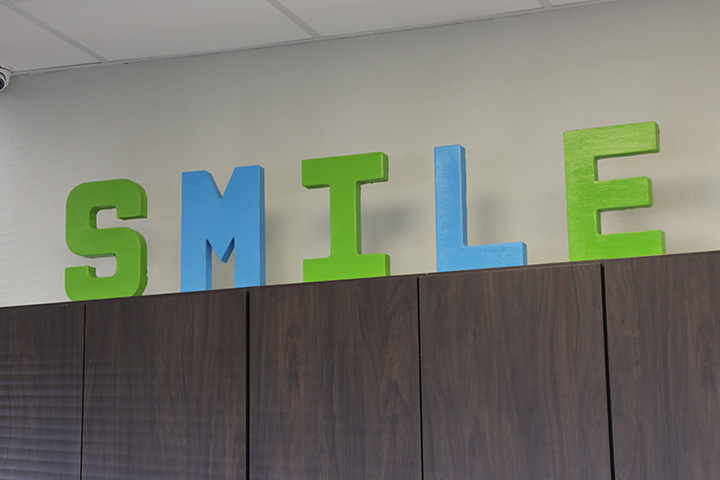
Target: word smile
[235, 219]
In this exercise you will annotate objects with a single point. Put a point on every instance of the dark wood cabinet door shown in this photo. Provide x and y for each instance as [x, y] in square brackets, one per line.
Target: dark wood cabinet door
[513, 375]
[334, 381]
[165, 387]
[41, 352]
[663, 317]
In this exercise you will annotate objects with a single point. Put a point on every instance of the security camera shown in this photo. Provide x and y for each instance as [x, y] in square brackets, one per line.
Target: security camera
[4, 77]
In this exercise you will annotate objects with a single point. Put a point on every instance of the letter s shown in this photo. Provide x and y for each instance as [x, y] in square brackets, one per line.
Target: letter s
[85, 239]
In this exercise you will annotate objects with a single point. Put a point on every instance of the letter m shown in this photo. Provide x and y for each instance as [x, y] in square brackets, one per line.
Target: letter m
[223, 222]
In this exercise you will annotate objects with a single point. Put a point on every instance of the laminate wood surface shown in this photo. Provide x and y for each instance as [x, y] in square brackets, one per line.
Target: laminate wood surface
[334, 381]
[165, 387]
[513, 375]
[663, 317]
[41, 352]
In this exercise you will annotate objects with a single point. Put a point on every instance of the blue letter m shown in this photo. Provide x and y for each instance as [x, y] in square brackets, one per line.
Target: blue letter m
[223, 222]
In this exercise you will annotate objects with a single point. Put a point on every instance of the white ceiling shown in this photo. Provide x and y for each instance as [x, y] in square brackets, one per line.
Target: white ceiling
[51, 34]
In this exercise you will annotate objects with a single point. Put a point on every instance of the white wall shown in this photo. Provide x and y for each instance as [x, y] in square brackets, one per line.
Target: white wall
[505, 89]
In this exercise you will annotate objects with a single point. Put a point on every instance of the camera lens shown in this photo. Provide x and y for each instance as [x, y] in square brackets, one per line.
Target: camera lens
[4, 77]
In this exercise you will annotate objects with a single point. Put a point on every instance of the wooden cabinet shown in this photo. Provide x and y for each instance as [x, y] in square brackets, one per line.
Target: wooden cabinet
[513, 375]
[334, 381]
[544, 372]
[663, 316]
[41, 365]
[165, 387]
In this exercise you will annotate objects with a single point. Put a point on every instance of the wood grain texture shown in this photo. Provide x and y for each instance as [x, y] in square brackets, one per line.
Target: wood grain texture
[165, 387]
[41, 352]
[663, 317]
[334, 381]
[513, 375]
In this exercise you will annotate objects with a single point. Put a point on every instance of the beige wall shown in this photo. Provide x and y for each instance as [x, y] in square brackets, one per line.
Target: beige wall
[505, 89]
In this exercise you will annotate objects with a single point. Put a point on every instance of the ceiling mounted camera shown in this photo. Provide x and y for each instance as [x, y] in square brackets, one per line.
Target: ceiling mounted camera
[4, 77]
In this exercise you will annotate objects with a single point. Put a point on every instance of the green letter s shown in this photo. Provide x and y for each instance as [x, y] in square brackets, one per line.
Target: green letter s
[85, 239]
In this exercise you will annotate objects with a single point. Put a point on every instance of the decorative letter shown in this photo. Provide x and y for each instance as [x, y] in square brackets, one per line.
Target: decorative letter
[85, 239]
[453, 252]
[233, 220]
[344, 175]
[587, 197]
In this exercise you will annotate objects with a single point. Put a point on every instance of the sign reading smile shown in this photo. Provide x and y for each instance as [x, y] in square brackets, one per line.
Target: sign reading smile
[235, 219]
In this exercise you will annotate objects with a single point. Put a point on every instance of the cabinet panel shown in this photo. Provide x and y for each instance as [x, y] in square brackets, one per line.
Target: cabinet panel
[513, 375]
[334, 381]
[165, 387]
[663, 317]
[41, 352]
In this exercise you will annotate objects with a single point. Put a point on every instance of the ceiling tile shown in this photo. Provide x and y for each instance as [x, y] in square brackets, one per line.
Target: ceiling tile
[25, 46]
[132, 29]
[340, 17]
[558, 3]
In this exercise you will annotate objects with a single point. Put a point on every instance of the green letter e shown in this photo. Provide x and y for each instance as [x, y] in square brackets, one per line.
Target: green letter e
[588, 197]
[85, 239]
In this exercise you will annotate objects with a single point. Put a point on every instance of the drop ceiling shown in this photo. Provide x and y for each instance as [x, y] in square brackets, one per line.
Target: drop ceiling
[39, 35]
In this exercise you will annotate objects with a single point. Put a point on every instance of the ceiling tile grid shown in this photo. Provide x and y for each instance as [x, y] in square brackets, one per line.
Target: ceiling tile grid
[27, 46]
[52, 34]
[558, 3]
[341, 17]
[127, 29]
